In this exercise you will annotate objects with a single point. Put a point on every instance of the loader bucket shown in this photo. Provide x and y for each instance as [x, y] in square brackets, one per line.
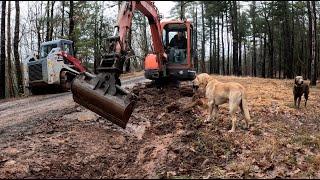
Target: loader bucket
[101, 95]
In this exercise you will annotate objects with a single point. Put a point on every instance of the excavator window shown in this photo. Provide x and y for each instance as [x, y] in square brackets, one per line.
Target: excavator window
[175, 39]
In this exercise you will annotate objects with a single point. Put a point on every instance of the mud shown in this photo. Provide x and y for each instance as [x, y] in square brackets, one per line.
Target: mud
[165, 138]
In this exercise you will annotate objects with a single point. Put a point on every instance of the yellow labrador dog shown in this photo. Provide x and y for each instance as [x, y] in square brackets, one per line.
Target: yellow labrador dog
[219, 93]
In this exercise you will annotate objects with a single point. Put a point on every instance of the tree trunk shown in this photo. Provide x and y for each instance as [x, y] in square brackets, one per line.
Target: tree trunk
[235, 38]
[218, 48]
[264, 55]
[228, 42]
[292, 59]
[182, 9]
[314, 46]
[222, 41]
[130, 35]
[245, 58]
[203, 66]
[280, 51]
[100, 38]
[48, 21]
[38, 27]
[304, 50]
[71, 27]
[95, 34]
[309, 38]
[210, 49]
[16, 47]
[240, 58]
[270, 48]
[43, 34]
[214, 60]
[62, 19]
[51, 20]
[254, 58]
[301, 52]
[196, 42]
[288, 44]
[9, 62]
[2, 51]
[144, 35]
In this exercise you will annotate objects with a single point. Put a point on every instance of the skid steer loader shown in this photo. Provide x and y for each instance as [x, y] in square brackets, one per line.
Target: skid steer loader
[55, 67]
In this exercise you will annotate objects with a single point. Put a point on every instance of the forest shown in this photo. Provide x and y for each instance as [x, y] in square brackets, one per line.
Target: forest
[269, 39]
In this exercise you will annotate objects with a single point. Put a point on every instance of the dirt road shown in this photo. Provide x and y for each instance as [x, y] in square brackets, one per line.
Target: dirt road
[164, 138]
[17, 111]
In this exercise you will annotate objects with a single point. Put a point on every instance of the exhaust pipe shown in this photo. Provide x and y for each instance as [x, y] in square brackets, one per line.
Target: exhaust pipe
[101, 95]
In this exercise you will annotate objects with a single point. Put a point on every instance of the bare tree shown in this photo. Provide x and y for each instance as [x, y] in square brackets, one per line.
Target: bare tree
[16, 47]
[228, 42]
[203, 66]
[62, 19]
[196, 39]
[9, 63]
[51, 20]
[71, 25]
[48, 21]
[2, 51]
[210, 49]
[313, 23]
[235, 39]
[254, 57]
[222, 41]
[39, 24]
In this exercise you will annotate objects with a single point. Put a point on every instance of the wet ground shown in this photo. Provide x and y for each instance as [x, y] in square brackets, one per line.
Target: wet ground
[165, 137]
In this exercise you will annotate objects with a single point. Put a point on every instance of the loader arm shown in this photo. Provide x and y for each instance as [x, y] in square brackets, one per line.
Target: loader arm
[102, 92]
[76, 62]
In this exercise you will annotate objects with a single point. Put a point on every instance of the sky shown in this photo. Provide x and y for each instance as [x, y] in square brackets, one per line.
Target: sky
[164, 7]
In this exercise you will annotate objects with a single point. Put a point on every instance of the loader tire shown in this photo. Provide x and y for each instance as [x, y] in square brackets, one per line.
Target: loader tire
[35, 91]
[65, 82]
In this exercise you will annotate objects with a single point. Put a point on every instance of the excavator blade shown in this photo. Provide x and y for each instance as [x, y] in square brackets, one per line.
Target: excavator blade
[101, 95]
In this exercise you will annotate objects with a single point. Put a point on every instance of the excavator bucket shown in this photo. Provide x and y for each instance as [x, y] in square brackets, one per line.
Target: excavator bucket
[101, 95]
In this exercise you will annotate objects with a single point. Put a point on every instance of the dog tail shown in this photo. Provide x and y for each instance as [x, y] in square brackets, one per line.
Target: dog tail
[244, 106]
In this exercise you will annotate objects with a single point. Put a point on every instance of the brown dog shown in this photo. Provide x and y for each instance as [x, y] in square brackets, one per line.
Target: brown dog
[219, 93]
[300, 88]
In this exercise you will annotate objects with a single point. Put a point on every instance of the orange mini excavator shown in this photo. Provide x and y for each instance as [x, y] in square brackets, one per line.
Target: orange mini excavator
[102, 93]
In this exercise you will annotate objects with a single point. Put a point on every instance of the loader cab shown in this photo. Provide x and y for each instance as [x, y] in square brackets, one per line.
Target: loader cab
[38, 69]
[65, 45]
[177, 40]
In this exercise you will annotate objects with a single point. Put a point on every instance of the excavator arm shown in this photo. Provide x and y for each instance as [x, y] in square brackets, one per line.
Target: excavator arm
[118, 44]
[102, 93]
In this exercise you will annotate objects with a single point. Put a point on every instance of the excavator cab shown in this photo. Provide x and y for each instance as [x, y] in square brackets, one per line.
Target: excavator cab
[177, 39]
